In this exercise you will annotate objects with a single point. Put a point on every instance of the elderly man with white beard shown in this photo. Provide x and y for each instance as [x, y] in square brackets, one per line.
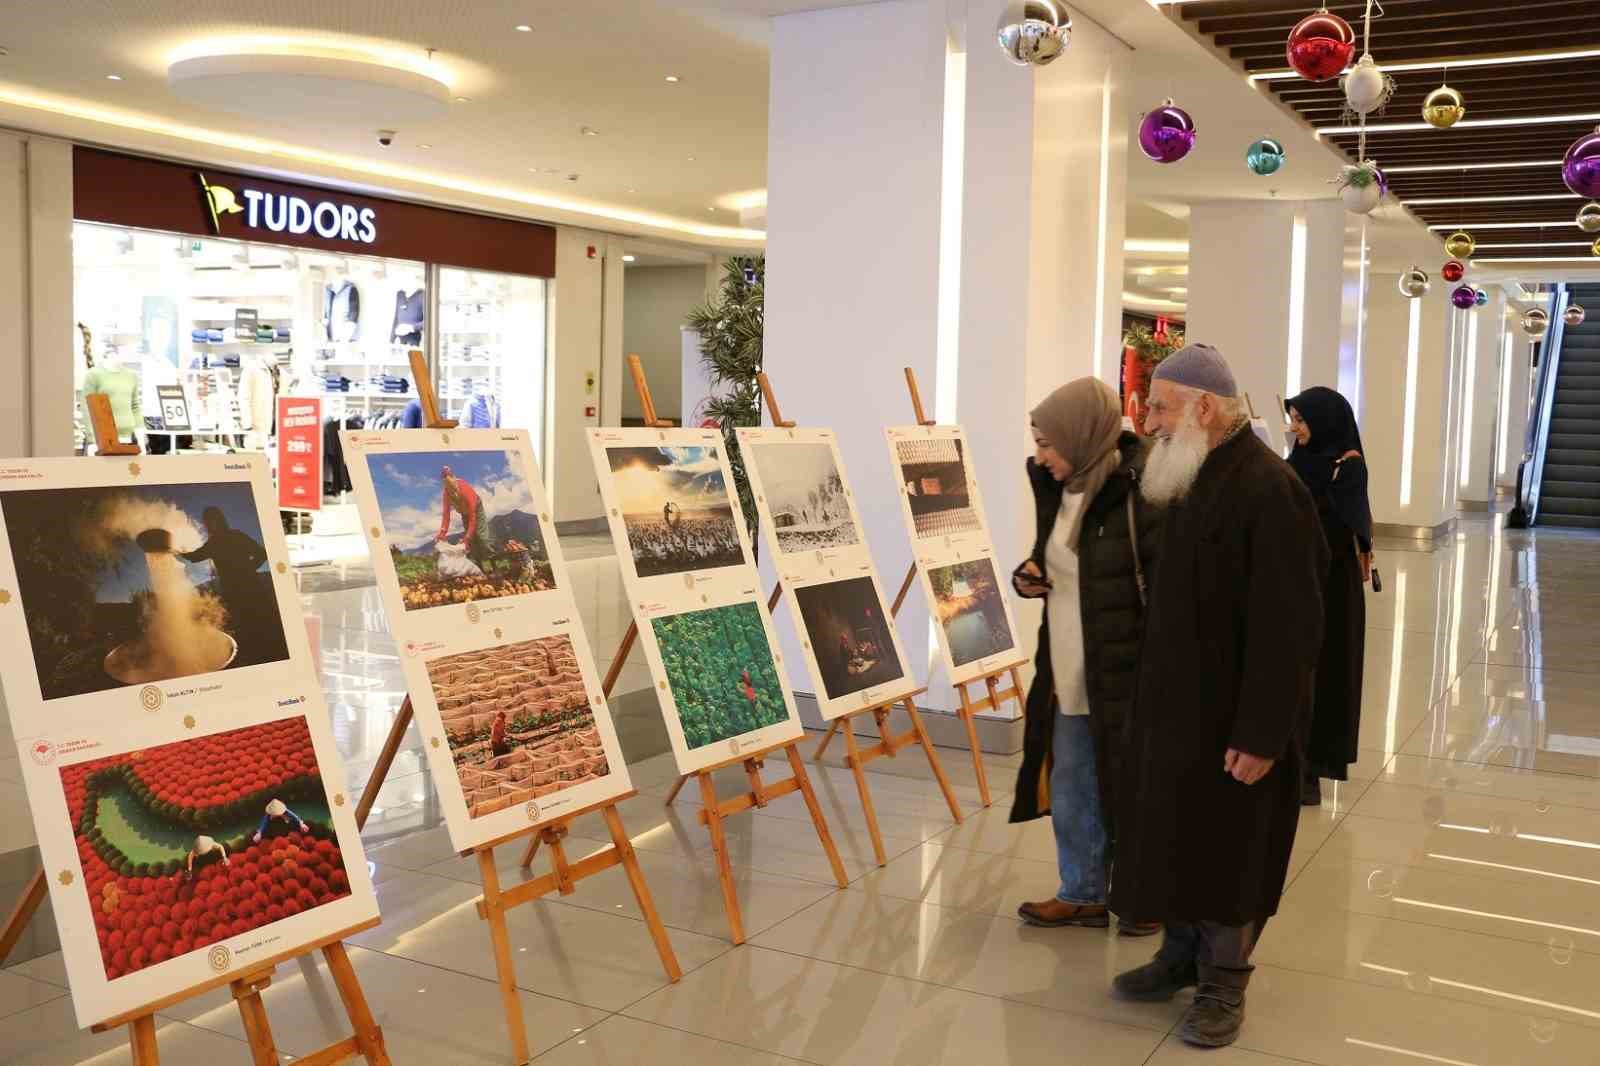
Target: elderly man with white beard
[1216, 735]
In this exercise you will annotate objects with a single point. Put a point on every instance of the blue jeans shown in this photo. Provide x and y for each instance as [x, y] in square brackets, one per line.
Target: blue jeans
[1075, 813]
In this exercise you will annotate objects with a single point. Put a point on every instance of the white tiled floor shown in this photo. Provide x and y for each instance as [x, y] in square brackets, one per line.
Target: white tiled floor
[1444, 904]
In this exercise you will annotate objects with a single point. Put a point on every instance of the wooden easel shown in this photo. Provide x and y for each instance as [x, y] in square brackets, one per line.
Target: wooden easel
[760, 793]
[889, 744]
[991, 681]
[367, 1039]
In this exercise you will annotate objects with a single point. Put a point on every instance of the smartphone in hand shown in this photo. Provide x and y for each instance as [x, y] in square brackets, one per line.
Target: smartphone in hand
[1377, 582]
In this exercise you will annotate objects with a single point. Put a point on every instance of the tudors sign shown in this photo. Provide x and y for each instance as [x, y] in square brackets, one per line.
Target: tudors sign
[125, 190]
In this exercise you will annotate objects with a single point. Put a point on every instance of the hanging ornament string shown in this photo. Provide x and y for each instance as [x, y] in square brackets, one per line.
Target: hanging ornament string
[1366, 49]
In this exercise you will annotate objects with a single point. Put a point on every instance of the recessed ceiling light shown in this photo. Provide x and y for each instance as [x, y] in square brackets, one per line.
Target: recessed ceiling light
[629, 258]
[113, 77]
[589, 131]
[710, 209]
[633, 190]
[524, 28]
[424, 147]
[673, 78]
[691, 159]
[463, 99]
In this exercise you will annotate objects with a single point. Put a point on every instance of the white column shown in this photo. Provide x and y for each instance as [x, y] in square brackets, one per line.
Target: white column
[854, 175]
[51, 335]
[1516, 377]
[1480, 398]
[14, 332]
[1406, 398]
[575, 376]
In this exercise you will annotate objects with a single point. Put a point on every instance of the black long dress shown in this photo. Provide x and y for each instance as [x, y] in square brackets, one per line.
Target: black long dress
[1338, 482]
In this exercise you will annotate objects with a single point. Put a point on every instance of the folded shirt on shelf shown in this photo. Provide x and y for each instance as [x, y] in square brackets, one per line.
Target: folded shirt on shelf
[336, 383]
[266, 334]
[199, 335]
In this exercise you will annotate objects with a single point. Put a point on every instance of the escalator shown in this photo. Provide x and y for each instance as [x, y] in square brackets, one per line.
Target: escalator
[1569, 490]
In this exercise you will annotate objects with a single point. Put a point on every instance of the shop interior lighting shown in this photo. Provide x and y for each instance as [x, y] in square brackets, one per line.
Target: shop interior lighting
[1430, 200]
[1466, 123]
[1454, 64]
[629, 258]
[1408, 438]
[375, 170]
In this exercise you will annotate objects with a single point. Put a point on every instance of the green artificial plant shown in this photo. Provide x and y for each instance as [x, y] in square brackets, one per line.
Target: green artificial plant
[730, 329]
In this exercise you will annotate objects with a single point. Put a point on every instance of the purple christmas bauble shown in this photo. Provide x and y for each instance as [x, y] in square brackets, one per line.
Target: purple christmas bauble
[1464, 297]
[1581, 168]
[1167, 133]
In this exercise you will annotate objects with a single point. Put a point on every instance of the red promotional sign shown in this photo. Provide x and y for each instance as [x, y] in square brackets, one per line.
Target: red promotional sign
[299, 453]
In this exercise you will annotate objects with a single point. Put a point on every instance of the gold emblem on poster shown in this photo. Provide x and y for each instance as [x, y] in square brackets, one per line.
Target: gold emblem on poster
[65, 877]
[150, 698]
[219, 957]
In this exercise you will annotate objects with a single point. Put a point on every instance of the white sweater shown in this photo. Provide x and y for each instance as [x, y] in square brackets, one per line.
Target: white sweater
[1064, 613]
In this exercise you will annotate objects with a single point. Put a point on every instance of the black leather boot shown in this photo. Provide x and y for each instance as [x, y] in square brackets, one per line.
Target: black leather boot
[1218, 1010]
[1174, 968]
[1310, 789]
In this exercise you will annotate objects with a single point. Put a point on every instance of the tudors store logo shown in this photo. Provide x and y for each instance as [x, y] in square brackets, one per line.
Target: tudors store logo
[288, 214]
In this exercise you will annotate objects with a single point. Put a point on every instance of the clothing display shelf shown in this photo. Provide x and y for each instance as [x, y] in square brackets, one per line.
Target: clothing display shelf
[471, 337]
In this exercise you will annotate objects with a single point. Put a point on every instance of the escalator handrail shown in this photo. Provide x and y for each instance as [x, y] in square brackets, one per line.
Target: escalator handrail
[1538, 436]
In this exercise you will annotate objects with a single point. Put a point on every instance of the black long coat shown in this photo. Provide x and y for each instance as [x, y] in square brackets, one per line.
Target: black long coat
[1336, 718]
[1231, 642]
[1113, 626]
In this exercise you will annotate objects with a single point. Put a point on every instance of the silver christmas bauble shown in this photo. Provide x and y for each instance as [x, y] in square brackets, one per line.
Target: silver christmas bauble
[1574, 315]
[1033, 33]
[1589, 217]
[1535, 321]
[1414, 283]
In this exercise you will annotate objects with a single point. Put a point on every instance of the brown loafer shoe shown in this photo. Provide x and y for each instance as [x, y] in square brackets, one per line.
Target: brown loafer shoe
[1138, 928]
[1053, 914]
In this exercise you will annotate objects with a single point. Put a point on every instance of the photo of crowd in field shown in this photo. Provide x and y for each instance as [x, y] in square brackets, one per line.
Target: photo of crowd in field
[139, 584]
[968, 603]
[721, 672]
[461, 526]
[676, 509]
[934, 472]
[518, 721]
[804, 494]
[186, 844]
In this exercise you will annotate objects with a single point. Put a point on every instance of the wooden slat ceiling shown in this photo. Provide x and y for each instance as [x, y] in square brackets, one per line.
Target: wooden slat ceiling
[1252, 33]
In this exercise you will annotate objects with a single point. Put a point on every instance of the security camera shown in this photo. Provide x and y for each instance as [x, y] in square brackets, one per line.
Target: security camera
[386, 137]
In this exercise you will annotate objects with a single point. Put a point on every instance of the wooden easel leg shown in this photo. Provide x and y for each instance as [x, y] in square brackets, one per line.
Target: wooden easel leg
[500, 938]
[933, 760]
[380, 769]
[853, 757]
[142, 1041]
[972, 741]
[719, 844]
[641, 892]
[257, 1030]
[532, 850]
[827, 738]
[369, 1036]
[798, 766]
[677, 788]
[22, 914]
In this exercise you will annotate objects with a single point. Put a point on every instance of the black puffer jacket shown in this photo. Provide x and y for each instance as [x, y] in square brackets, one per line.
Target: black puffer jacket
[1113, 623]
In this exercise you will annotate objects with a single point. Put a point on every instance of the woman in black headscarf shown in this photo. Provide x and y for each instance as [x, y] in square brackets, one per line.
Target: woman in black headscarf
[1328, 457]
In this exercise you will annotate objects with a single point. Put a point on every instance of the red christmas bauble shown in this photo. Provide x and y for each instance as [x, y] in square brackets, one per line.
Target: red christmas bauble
[1453, 271]
[1320, 46]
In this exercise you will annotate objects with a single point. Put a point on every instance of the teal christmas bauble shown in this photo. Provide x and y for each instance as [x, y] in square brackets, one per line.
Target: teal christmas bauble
[1265, 157]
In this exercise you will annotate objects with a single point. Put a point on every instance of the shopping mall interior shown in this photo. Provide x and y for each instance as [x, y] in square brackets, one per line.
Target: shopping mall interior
[550, 778]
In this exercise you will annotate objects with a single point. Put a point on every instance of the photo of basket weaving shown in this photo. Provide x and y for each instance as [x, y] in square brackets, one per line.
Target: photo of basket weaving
[518, 722]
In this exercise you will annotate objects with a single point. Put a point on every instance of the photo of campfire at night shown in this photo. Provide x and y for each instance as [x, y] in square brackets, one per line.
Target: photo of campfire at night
[129, 586]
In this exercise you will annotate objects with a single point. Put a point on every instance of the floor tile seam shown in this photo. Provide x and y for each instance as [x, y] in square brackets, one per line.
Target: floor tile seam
[58, 991]
[1592, 811]
[164, 1017]
[686, 1032]
[1341, 815]
[1144, 1029]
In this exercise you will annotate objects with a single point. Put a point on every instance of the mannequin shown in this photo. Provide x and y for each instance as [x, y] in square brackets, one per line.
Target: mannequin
[119, 383]
[256, 396]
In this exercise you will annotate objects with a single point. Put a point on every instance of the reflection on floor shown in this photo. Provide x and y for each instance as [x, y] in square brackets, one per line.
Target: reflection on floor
[1443, 909]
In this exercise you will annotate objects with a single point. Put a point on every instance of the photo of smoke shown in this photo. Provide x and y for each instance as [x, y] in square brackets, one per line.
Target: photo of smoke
[805, 495]
[676, 509]
[934, 472]
[518, 721]
[187, 844]
[968, 604]
[461, 526]
[850, 638]
[127, 586]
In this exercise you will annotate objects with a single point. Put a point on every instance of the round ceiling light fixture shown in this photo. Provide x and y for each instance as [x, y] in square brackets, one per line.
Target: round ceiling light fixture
[309, 82]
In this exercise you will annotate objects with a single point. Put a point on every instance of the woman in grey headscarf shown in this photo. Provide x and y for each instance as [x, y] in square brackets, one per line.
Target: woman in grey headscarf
[1096, 542]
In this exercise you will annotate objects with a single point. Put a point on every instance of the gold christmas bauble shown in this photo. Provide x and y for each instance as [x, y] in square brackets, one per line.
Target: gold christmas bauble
[1443, 108]
[1595, 247]
[1460, 245]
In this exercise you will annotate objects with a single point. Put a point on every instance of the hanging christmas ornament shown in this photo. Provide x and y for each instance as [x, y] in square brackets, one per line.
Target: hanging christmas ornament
[1460, 244]
[1595, 247]
[1589, 217]
[1482, 296]
[1453, 271]
[1361, 186]
[1464, 296]
[1320, 46]
[1264, 157]
[1033, 33]
[1167, 133]
[1366, 87]
[1535, 321]
[1574, 315]
[1443, 108]
[1414, 283]
[1581, 168]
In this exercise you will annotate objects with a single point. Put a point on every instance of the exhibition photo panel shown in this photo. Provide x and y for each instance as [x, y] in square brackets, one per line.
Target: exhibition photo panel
[501, 676]
[808, 515]
[173, 741]
[694, 592]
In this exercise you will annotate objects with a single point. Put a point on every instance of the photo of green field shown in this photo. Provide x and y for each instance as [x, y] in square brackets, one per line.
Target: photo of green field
[721, 672]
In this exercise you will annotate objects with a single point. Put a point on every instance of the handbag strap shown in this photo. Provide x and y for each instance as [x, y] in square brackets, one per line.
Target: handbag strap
[1133, 542]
